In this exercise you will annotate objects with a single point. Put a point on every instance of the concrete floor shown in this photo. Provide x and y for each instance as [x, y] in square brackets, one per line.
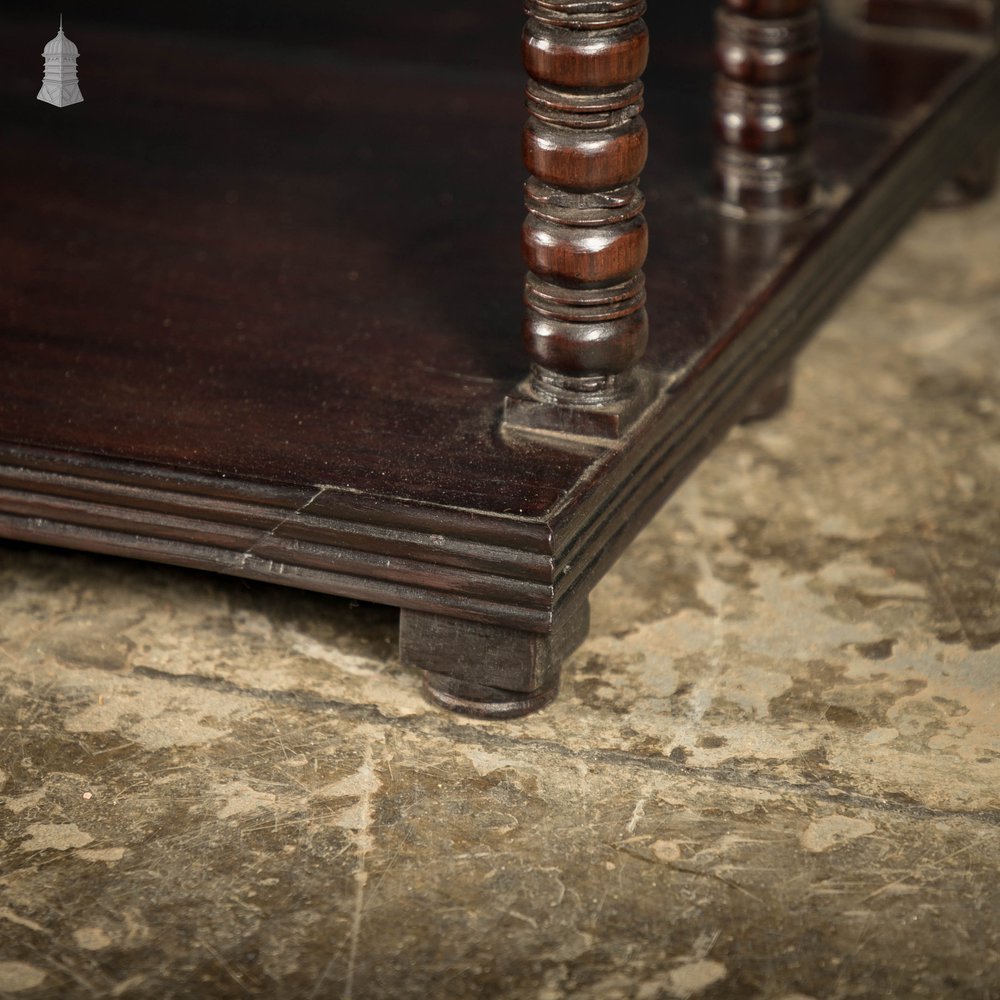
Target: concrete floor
[773, 772]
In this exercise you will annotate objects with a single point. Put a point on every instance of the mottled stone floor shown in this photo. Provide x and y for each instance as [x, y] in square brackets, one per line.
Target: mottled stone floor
[773, 772]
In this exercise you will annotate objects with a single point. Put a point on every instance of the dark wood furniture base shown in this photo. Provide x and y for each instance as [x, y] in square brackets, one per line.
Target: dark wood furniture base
[261, 305]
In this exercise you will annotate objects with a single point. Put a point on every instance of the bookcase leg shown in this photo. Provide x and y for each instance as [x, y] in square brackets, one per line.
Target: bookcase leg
[489, 671]
[773, 399]
[976, 181]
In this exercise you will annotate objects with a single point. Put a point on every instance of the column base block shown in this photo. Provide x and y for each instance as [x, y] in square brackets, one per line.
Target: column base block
[610, 419]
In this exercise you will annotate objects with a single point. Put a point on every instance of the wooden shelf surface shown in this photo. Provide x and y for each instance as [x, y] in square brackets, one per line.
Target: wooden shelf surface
[261, 301]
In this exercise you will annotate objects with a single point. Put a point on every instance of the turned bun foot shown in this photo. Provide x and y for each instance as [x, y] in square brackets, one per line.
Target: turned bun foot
[775, 397]
[482, 702]
[975, 182]
[490, 671]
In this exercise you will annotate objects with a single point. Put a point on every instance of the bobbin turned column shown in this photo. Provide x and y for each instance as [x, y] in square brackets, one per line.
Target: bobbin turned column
[584, 239]
[767, 52]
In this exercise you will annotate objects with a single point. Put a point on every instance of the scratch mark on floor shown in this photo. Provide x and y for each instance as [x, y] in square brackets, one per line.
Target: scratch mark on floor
[229, 970]
[937, 572]
[637, 814]
[9, 915]
[364, 841]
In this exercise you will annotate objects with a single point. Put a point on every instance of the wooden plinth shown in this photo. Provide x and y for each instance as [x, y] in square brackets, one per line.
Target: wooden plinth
[262, 300]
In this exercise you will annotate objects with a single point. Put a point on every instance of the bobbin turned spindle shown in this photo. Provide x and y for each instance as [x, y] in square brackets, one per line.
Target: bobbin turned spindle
[584, 238]
[767, 52]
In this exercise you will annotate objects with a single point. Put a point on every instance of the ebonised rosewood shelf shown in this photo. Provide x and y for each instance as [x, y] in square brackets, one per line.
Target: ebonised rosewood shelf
[262, 303]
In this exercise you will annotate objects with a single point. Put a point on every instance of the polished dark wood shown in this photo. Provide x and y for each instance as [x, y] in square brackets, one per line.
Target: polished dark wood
[490, 671]
[974, 16]
[977, 177]
[584, 239]
[775, 397]
[767, 52]
[975, 181]
[261, 298]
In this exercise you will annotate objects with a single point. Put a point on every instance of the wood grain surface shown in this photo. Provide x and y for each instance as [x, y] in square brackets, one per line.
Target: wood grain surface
[261, 294]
